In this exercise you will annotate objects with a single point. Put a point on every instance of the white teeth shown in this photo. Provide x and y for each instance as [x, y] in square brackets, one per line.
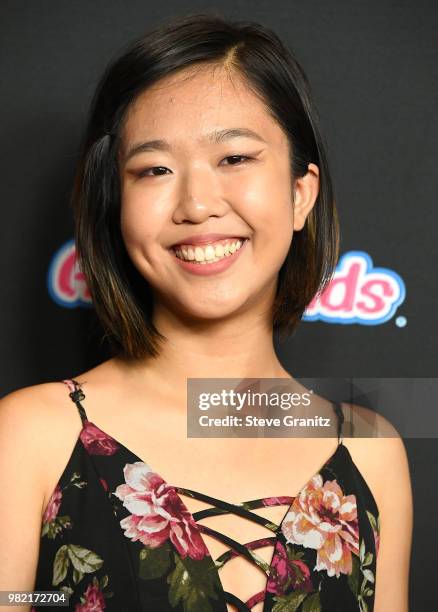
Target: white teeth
[209, 253]
[199, 254]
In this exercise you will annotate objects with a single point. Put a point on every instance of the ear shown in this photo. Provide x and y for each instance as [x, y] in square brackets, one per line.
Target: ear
[306, 191]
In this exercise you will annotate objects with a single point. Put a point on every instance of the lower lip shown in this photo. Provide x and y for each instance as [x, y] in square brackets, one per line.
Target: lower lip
[210, 268]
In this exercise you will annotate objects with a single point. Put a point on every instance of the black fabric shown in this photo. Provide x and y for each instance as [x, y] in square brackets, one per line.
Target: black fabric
[90, 548]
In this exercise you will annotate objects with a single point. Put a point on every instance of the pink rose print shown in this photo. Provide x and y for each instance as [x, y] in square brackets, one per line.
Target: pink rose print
[96, 441]
[277, 501]
[288, 573]
[325, 519]
[157, 513]
[376, 540]
[95, 601]
[53, 505]
[104, 483]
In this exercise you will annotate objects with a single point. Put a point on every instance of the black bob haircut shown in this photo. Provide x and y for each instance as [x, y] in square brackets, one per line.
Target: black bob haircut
[122, 298]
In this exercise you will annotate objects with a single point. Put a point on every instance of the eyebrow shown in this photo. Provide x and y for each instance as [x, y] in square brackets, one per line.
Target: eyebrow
[215, 137]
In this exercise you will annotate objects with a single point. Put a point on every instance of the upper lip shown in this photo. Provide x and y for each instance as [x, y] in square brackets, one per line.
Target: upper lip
[205, 238]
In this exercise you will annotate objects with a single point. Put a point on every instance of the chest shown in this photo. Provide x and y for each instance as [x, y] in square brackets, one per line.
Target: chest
[229, 469]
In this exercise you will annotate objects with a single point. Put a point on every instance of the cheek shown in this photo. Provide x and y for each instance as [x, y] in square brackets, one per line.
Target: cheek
[266, 205]
[140, 233]
[138, 224]
[138, 241]
[266, 192]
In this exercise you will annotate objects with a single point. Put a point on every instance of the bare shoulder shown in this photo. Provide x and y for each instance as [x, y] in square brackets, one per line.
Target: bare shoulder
[45, 410]
[380, 456]
[36, 410]
[39, 425]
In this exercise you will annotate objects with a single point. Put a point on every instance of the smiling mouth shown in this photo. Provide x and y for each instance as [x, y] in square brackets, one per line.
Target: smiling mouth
[208, 253]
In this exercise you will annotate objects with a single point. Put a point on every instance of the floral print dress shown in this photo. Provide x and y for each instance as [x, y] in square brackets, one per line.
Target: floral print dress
[116, 537]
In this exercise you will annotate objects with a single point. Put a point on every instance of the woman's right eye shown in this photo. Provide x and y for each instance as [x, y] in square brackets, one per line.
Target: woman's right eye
[144, 172]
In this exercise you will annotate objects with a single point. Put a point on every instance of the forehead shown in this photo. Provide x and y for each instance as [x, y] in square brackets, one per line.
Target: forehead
[193, 102]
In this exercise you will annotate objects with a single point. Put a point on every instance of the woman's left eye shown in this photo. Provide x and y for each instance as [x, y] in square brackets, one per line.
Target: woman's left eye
[237, 157]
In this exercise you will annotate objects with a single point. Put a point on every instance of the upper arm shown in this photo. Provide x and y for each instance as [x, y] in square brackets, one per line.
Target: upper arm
[396, 519]
[21, 486]
[381, 456]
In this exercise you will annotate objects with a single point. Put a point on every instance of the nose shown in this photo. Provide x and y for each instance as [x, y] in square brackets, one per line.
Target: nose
[199, 196]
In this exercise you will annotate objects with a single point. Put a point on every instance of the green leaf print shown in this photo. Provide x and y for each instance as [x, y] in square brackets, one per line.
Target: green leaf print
[60, 565]
[353, 578]
[77, 576]
[363, 606]
[375, 524]
[288, 603]
[76, 476]
[368, 575]
[67, 590]
[362, 552]
[193, 582]
[80, 485]
[103, 582]
[361, 577]
[52, 528]
[154, 562]
[84, 560]
[312, 603]
[293, 553]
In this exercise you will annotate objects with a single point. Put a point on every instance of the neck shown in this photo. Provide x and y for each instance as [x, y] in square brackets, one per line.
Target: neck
[205, 349]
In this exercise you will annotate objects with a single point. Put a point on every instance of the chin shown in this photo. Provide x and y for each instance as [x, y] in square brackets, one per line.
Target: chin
[210, 312]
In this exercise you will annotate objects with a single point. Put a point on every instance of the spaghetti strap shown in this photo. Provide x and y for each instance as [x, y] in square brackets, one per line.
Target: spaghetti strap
[340, 415]
[76, 395]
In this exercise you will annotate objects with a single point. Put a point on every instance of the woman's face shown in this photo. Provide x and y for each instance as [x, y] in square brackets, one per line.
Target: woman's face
[190, 184]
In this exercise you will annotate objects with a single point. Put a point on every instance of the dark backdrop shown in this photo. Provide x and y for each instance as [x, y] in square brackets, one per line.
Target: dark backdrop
[373, 67]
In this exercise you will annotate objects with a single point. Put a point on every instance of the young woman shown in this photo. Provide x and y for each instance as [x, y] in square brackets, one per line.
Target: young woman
[205, 221]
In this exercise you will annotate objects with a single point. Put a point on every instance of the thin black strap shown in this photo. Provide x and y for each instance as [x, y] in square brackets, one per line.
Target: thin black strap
[340, 415]
[76, 394]
[232, 599]
[241, 549]
[252, 545]
[233, 508]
